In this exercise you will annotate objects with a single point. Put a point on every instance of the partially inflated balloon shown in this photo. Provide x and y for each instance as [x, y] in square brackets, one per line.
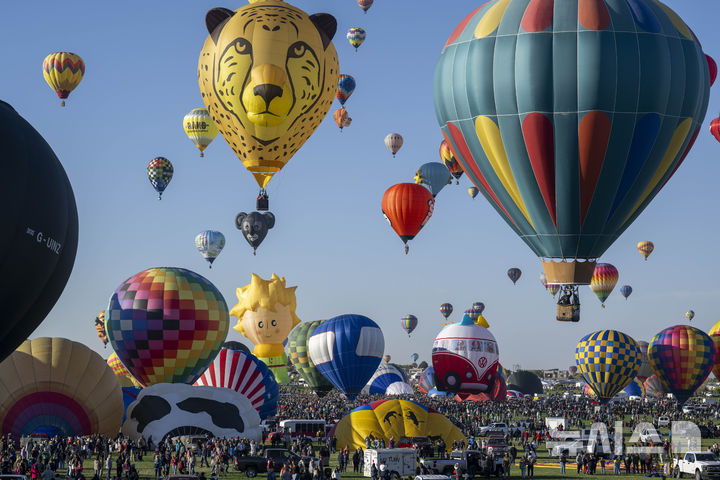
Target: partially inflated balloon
[160, 172]
[100, 327]
[300, 358]
[448, 158]
[407, 207]
[346, 87]
[714, 334]
[210, 243]
[635, 388]
[409, 323]
[365, 4]
[682, 357]
[625, 291]
[715, 128]
[473, 192]
[434, 176]
[200, 128]
[166, 325]
[712, 68]
[446, 309]
[63, 71]
[394, 142]
[689, 315]
[608, 360]
[268, 74]
[40, 225]
[124, 376]
[385, 380]
[514, 274]
[59, 387]
[603, 281]
[347, 350]
[571, 135]
[356, 37]
[645, 248]
[645, 368]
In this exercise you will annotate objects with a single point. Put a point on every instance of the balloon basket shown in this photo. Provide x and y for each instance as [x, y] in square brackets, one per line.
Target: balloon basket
[62, 104]
[568, 313]
[263, 202]
[569, 273]
[202, 154]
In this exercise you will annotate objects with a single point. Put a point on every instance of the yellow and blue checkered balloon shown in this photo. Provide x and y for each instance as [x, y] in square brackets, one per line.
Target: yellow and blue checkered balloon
[608, 360]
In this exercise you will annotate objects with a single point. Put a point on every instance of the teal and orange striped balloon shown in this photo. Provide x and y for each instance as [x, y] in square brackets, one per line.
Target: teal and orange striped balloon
[682, 357]
[604, 279]
[592, 108]
[608, 360]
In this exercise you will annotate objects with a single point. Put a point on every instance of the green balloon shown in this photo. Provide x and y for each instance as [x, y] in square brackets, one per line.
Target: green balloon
[298, 353]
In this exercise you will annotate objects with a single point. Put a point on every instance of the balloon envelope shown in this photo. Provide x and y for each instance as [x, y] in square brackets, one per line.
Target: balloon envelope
[645, 248]
[434, 176]
[160, 171]
[409, 323]
[514, 274]
[446, 309]
[200, 128]
[63, 71]
[604, 279]
[300, 357]
[525, 382]
[626, 290]
[393, 142]
[210, 243]
[407, 207]
[608, 360]
[346, 86]
[356, 36]
[386, 375]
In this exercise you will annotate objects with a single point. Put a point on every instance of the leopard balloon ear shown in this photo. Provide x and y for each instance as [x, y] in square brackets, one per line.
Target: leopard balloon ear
[326, 25]
[215, 19]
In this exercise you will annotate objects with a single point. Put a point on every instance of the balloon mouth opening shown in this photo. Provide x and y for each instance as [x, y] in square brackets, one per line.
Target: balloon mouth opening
[572, 272]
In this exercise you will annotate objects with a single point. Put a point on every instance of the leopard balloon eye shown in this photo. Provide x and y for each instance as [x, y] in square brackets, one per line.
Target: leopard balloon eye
[297, 50]
[243, 47]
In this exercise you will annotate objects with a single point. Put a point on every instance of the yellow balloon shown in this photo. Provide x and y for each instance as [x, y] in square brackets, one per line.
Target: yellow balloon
[394, 418]
[200, 128]
[63, 71]
[268, 75]
[59, 386]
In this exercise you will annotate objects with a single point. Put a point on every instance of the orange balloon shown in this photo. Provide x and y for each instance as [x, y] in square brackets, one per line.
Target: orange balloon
[340, 117]
[408, 207]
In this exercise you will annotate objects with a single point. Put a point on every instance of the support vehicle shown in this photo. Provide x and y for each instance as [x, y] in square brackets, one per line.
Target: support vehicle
[701, 465]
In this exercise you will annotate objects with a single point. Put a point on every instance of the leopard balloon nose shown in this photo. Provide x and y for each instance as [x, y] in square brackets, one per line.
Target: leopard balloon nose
[268, 92]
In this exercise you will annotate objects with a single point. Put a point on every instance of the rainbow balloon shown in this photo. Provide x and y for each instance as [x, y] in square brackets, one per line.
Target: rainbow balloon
[604, 279]
[409, 322]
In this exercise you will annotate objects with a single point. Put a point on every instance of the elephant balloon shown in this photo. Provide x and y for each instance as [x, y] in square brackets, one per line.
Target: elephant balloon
[254, 226]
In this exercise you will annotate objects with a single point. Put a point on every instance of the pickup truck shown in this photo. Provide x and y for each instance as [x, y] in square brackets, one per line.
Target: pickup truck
[254, 465]
[475, 462]
[497, 427]
[496, 445]
[702, 465]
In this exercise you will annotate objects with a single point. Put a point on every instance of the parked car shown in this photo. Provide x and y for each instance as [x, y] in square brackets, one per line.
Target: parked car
[702, 465]
[497, 427]
[258, 464]
[663, 421]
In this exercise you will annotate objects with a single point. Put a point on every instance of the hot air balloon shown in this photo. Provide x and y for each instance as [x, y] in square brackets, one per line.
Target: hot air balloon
[524, 382]
[365, 4]
[514, 274]
[682, 357]
[407, 207]
[210, 243]
[63, 71]
[625, 291]
[653, 387]
[347, 350]
[41, 229]
[256, 82]
[254, 226]
[478, 307]
[395, 418]
[573, 369]
[200, 128]
[160, 172]
[603, 281]
[448, 158]
[434, 176]
[346, 122]
[394, 142]
[553, 288]
[712, 68]
[100, 327]
[341, 118]
[246, 374]
[634, 389]
[300, 357]
[171, 410]
[465, 357]
[426, 382]
[541, 133]
[166, 325]
[608, 360]
[356, 37]
[714, 335]
[473, 191]
[58, 387]
[446, 309]
[386, 358]
[409, 323]
[123, 374]
[689, 315]
[645, 248]
[414, 357]
[645, 368]
[388, 379]
[346, 86]
[266, 316]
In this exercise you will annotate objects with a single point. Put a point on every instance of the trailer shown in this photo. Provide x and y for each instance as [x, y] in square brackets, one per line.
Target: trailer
[401, 462]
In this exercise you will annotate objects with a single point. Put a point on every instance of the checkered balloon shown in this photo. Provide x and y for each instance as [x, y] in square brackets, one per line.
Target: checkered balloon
[160, 172]
[166, 325]
[608, 360]
[682, 357]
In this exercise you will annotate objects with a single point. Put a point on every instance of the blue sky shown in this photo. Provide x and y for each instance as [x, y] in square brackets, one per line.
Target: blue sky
[330, 238]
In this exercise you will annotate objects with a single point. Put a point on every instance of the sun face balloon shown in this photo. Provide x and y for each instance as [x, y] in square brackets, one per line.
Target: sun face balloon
[268, 73]
[266, 315]
[200, 128]
[166, 325]
[59, 387]
[682, 357]
[571, 136]
[63, 71]
[608, 360]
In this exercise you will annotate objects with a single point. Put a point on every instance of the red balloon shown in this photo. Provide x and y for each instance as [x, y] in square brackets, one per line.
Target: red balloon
[407, 207]
[715, 128]
[712, 66]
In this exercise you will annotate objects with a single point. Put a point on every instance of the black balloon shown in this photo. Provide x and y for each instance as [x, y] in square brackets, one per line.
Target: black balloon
[233, 345]
[40, 225]
[525, 382]
[254, 226]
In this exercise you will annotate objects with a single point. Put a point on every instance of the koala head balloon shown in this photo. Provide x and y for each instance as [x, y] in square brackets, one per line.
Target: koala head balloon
[254, 226]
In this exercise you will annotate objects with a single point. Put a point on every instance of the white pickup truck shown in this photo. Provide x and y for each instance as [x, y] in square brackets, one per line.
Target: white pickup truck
[702, 465]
